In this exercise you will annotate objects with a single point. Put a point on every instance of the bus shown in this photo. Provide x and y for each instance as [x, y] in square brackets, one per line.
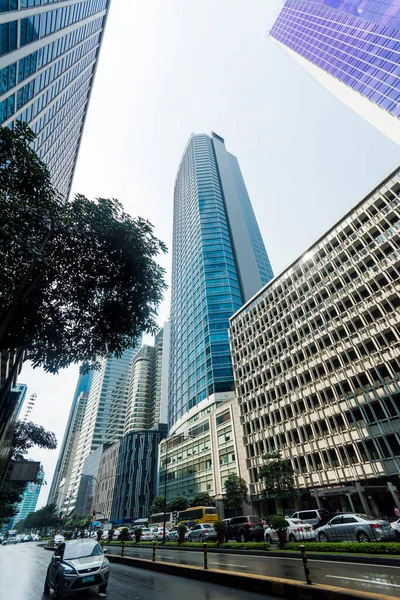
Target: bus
[198, 514]
[157, 520]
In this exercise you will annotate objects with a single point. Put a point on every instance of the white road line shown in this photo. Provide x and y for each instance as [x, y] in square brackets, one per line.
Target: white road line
[227, 565]
[367, 581]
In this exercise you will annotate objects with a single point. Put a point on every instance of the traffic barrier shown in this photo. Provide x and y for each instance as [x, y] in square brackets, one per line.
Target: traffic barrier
[154, 552]
[205, 556]
[305, 564]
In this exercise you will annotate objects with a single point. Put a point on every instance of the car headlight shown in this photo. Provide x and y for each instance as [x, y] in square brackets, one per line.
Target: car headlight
[68, 570]
[105, 564]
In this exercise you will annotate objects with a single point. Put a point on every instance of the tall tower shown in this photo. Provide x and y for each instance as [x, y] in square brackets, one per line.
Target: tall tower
[48, 58]
[218, 262]
[105, 411]
[352, 47]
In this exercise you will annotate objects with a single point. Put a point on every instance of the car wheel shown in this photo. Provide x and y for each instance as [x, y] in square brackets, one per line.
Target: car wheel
[242, 537]
[322, 537]
[268, 538]
[362, 537]
[189, 538]
[103, 589]
[200, 538]
[292, 538]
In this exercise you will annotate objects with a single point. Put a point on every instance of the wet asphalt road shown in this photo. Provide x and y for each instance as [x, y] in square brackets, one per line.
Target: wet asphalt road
[23, 569]
[367, 578]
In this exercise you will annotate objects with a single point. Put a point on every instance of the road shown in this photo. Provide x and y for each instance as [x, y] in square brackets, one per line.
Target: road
[23, 569]
[368, 578]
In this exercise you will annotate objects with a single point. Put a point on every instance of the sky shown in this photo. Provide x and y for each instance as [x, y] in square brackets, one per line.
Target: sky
[168, 69]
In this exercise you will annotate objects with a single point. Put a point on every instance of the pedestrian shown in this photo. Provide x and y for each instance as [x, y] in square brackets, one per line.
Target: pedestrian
[397, 512]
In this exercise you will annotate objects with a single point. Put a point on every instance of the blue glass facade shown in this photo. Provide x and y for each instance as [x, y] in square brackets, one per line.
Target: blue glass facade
[207, 285]
[355, 41]
[48, 55]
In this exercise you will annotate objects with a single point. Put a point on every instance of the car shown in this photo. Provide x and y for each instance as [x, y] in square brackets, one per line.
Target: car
[202, 533]
[77, 565]
[297, 531]
[147, 534]
[246, 528]
[104, 536]
[356, 527]
[395, 525]
[35, 537]
[58, 539]
[173, 535]
[316, 516]
[27, 538]
[158, 533]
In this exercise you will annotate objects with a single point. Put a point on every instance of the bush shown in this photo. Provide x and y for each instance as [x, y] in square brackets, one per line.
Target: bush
[349, 547]
[220, 526]
[229, 545]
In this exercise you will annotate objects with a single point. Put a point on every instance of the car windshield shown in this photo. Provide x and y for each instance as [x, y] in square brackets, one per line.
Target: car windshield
[82, 550]
[367, 517]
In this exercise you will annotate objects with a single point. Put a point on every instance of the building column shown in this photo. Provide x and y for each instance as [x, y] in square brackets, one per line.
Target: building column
[363, 498]
[318, 501]
[350, 499]
[392, 492]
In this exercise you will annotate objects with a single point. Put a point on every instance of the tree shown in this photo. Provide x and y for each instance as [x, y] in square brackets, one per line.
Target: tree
[79, 279]
[236, 492]
[203, 499]
[178, 503]
[278, 477]
[157, 505]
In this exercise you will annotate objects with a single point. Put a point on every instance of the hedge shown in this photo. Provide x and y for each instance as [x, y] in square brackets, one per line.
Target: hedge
[349, 547]
[232, 545]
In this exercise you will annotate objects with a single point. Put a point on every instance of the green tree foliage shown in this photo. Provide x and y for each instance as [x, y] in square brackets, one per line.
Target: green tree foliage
[41, 519]
[157, 505]
[178, 503]
[278, 477]
[203, 499]
[74, 521]
[26, 435]
[236, 492]
[79, 279]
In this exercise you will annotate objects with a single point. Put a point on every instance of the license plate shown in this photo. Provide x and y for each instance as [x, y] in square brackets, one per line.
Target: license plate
[308, 529]
[88, 579]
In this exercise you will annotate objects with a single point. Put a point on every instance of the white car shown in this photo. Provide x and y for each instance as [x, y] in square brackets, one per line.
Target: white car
[396, 526]
[297, 531]
[27, 538]
[35, 537]
[173, 535]
[147, 534]
[158, 533]
[58, 539]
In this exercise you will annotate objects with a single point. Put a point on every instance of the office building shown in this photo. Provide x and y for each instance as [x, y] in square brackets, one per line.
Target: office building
[29, 501]
[10, 367]
[106, 474]
[88, 481]
[353, 49]
[218, 262]
[48, 58]
[62, 473]
[104, 417]
[316, 358]
[147, 404]
[21, 389]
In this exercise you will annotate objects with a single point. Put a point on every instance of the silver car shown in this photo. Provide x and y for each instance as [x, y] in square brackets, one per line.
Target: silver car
[77, 565]
[355, 527]
[202, 533]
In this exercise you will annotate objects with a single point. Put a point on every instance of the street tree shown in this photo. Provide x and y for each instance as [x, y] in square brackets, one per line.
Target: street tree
[236, 492]
[157, 506]
[78, 279]
[178, 503]
[278, 478]
[203, 499]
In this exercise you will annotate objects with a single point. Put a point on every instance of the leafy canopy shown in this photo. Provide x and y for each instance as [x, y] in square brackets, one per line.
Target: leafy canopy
[157, 505]
[178, 503]
[236, 491]
[203, 499]
[278, 477]
[79, 279]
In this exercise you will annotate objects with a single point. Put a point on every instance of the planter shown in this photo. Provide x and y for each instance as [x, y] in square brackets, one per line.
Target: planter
[181, 538]
[221, 537]
[137, 539]
[282, 537]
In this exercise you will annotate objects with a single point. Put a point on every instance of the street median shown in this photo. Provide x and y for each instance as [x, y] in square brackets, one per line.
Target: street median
[273, 586]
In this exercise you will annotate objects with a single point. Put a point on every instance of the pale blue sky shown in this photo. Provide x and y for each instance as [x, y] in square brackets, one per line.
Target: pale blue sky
[168, 69]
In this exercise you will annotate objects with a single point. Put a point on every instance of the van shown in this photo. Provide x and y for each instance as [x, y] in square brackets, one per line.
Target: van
[315, 517]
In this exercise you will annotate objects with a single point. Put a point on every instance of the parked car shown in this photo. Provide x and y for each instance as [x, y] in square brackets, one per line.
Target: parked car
[158, 533]
[173, 535]
[316, 517]
[35, 537]
[104, 536]
[202, 533]
[147, 534]
[58, 539]
[395, 525]
[297, 531]
[26, 538]
[77, 565]
[244, 529]
[356, 527]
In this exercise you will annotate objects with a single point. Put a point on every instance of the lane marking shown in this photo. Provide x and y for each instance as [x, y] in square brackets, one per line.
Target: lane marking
[227, 565]
[367, 581]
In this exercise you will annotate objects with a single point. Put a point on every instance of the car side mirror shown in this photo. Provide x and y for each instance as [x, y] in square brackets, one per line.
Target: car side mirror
[57, 558]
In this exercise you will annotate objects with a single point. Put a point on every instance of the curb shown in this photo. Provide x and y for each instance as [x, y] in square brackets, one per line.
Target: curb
[282, 588]
[366, 560]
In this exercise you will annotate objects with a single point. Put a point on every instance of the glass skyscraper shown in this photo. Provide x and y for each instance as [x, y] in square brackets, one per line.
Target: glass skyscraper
[218, 262]
[48, 55]
[352, 47]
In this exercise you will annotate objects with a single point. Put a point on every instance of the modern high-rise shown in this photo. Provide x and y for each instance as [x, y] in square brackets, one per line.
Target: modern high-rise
[62, 473]
[218, 262]
[28, 501]
[352, 47]
[48, 56]
[147, 404]
[104, 417]
[316, 357]
[21, 389]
